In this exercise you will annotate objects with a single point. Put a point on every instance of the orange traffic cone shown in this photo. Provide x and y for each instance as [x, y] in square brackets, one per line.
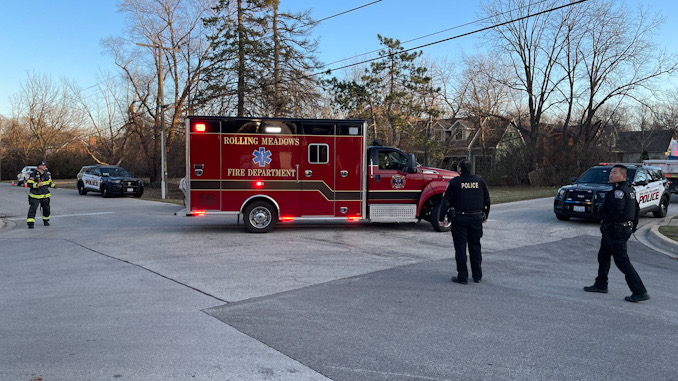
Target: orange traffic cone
[12, 182]
[25, 184]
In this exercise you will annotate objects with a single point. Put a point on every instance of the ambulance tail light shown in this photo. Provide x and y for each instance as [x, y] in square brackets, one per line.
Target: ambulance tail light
[258, 184]
[286, 219]
[200, 127]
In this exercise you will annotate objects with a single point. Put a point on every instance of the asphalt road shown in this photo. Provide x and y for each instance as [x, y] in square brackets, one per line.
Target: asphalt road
[122, 289]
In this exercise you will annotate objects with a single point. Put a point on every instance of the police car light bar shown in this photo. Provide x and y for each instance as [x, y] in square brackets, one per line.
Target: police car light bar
[200, 127]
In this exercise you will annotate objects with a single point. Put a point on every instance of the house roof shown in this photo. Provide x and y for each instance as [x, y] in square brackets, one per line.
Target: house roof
[639, 141]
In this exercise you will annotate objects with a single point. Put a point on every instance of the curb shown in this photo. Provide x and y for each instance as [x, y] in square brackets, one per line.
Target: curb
[664, 242]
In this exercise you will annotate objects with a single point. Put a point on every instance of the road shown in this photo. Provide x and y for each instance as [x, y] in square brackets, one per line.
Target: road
[121, 288]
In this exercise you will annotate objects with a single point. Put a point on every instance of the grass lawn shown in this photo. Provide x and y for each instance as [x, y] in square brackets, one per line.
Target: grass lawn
[669, 231]
[499, 195]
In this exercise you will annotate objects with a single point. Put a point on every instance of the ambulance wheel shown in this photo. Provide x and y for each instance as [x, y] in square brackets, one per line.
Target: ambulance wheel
[446, 225]
[260, 217]
[81, 189]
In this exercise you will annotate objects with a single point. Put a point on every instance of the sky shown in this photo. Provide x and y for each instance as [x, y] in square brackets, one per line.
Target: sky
[62, 38]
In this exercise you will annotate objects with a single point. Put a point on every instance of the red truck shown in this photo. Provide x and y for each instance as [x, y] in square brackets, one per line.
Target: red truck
[271, 170]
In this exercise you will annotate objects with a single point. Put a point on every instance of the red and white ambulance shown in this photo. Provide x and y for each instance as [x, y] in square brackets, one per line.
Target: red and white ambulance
[271, 170]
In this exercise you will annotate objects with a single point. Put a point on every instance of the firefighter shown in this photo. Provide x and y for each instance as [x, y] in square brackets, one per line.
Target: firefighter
[468, 200]
[39, 183]
[620, 218]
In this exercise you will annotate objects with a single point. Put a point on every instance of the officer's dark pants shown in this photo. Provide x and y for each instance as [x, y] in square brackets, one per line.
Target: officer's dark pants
[613, 244]
[33, 208]
[466, 231]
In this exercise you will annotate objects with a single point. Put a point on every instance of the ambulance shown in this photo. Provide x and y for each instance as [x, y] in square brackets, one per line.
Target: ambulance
[272, 170]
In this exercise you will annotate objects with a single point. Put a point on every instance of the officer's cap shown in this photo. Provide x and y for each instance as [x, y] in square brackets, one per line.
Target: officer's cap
[41, 163]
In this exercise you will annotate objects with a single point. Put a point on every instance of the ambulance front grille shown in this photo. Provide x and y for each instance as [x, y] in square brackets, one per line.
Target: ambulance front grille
[393, 213]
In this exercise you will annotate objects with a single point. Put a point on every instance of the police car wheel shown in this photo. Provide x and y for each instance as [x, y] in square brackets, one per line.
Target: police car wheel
[81, 189]
[562, 217]
[260, 217]
[105, 193]
[447, 224]
[663, 208]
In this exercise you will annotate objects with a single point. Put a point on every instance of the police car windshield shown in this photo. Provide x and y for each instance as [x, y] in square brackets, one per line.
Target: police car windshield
[601, 175]
[114, 172]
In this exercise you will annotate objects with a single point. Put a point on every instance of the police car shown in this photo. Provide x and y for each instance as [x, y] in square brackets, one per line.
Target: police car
[108, 180]
[584, 198]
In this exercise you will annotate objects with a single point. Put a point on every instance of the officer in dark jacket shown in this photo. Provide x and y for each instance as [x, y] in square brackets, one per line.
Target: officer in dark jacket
[39, 183]
[469, 202]
[620, 218]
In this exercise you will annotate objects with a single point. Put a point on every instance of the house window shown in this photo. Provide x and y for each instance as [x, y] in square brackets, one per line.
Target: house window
[459, 134]
[318, 153]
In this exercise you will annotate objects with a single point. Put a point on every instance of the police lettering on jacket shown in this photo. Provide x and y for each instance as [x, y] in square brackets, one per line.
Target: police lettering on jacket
[468, 192]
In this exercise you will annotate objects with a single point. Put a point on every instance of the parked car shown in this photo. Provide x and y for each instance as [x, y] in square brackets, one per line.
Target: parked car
[109, 180]
[25, 173]
[584, 198]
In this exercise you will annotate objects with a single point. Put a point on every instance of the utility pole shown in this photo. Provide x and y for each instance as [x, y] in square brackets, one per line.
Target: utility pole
[161, 101]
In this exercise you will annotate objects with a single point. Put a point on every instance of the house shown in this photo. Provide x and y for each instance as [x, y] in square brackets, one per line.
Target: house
[464, 138]
[636, 146]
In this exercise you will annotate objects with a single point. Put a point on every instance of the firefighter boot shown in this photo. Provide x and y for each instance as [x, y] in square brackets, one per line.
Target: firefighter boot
[30, 225]
[46, 222]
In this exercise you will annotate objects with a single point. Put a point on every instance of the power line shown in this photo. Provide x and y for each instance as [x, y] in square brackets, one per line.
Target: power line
[442, 31]
[301, 26]
[339, 14]
[454, 37]
[435, 42]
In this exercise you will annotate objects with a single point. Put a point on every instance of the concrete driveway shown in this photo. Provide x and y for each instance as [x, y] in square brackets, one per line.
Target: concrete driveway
[122, 289]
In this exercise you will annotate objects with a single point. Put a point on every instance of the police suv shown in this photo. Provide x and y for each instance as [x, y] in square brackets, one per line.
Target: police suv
[585, 196]
[108, 180]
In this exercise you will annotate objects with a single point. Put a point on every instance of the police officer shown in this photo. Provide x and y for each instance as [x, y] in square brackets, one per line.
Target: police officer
[39, 183]
[469, 202]
[620, 218]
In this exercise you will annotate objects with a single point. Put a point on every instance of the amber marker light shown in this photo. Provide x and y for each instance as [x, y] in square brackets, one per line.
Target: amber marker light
[200, 127]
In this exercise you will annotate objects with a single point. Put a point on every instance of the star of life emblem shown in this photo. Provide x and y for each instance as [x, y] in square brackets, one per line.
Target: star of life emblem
[398, 182]
[261, 156]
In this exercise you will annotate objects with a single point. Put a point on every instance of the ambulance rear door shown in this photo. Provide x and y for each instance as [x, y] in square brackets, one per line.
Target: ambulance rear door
[203, 156]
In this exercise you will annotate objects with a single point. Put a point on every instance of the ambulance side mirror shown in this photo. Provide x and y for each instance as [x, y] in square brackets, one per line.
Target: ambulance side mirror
[412, 164]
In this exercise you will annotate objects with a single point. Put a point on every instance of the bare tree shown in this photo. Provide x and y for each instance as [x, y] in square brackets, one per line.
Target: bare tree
[46, 119]
[107, 132]
[532, 46]
[174, 37]
[612, 60]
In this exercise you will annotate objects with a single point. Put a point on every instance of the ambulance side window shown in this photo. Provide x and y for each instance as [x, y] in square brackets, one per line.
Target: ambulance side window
[318, 153]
